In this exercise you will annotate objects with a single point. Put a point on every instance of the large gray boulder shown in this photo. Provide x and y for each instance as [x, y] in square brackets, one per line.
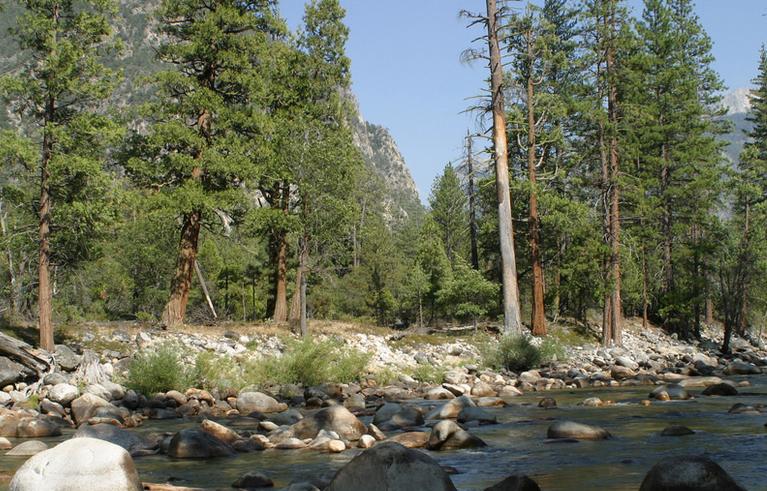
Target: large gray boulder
[133, 443]
[63, 393]
[67, 359]
[393, 416]
[389, 466]
[515, 483]
[11, 372]
[447, 435]
[333, 418]
[257, 402]
[88, 405]
[688, 474]
[82, 463]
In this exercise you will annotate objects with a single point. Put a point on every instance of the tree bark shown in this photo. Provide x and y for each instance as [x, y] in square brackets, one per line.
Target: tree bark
[45, 321]
[280, 313]
[512, 318]
[743, 318]
[666, 223]
[538, 316]
[645, 289]
[616, 317]
[175, 310]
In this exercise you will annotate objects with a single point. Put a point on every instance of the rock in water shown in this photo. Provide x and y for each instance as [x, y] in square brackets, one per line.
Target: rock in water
[197, 444]
[389, 466]
[333, 418]
[133, 443]
[515, 483]
[722, 389]
[688, 474]
[257, 402]
[676, 430]
[578, 431]
[447, 435]
[82, 463]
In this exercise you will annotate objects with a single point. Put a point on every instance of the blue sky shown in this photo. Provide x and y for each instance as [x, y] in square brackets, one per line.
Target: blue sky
[408, 77]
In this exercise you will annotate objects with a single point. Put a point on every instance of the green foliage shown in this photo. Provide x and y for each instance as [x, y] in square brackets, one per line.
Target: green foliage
[512, 352]
[448, 210]
[552, 350]
[428, 374]
[308, 362]
[468, 294]
[159, 369]
[216, 372]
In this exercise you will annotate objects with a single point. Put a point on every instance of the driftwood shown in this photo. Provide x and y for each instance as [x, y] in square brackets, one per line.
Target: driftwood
[90, 370]
[148, 486]
[36, 360]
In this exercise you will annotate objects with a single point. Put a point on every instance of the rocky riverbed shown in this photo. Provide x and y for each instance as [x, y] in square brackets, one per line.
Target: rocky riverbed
[601, 418]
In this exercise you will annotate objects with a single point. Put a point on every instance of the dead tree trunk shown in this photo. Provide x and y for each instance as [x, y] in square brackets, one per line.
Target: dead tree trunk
[19, 351]
[512, 318]
[473, 229]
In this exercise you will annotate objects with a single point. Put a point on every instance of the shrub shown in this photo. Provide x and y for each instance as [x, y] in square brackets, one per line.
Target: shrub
[513, 352]
[552, 350]
[158, 370]
[428, 374]
[216, 372]
[309, 362]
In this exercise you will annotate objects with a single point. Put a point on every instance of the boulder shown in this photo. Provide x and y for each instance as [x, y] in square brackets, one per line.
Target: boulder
[483, 389]
[132, 442]
[257, 402]
[438, 393]
[411, 439]
[619, 372]
[253, 480]
[388, 466]
[99, 390]
[722, 389]
[63, 394]
[578, 431]
[88, 405]
[83, 463]
[11, 372]
[37, 428]
[226, 435]
[9, 423]
[5, 444]
[66, 358]
[452, 408]
[515, 483]
[469, 414]
[26, 449]
[625, 361]
[672, 392]
[676, 430]
[547, 403]
[392, 416]
[197, 444]
[738, 367]
[688, 474]
[447, 435]
[333, 418]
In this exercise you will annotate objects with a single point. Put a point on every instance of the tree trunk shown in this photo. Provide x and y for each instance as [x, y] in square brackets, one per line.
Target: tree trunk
[512, 318]
[280, 313]
[742, 326]
[473, 229]
[13, 293]
[204, 286]
[45, 320]
[606, 311]
[645, 288]
[616, 317]
[709, 310]
[538, 316]
[668, 265]
[175, 310]
[304, 267]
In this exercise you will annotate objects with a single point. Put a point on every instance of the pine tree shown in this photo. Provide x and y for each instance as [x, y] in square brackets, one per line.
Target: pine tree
[448, 210]
[59, 94]
[207, 120]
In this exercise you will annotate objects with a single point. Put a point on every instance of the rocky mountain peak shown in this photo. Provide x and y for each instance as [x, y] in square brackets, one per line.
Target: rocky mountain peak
[737, 101]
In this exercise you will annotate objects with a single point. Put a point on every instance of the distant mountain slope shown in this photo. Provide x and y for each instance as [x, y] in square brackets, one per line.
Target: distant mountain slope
[139, 32]
[737, 104]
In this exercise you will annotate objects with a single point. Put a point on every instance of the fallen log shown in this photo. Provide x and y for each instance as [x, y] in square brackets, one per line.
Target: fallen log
[38, 361]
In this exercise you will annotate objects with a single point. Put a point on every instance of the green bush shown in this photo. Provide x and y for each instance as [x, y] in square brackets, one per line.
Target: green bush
[513, 352]
[309, 362]
[552, 350]
[428, 374]
[159, 370]
[216, 372]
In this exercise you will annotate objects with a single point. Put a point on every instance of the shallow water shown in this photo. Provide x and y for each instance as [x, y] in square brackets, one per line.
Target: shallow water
[518, 445]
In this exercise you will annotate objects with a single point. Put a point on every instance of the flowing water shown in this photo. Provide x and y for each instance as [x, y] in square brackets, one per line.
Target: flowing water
[518, 445]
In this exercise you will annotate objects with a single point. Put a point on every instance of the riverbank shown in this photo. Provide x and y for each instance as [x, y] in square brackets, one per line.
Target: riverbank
[471, 417]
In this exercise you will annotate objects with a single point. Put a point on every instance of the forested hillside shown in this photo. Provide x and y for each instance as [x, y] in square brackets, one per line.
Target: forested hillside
[187, 164]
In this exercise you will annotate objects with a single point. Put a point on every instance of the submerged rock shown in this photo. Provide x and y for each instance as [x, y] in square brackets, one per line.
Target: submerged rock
[389, 466]
[688, 474]
[515, 483]
[447, 435]
[83, 463]
[672, 392]
[133, 443]
[26, 449]
[578, 431]
[197, 444]
[676, 430]
[722, 389]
